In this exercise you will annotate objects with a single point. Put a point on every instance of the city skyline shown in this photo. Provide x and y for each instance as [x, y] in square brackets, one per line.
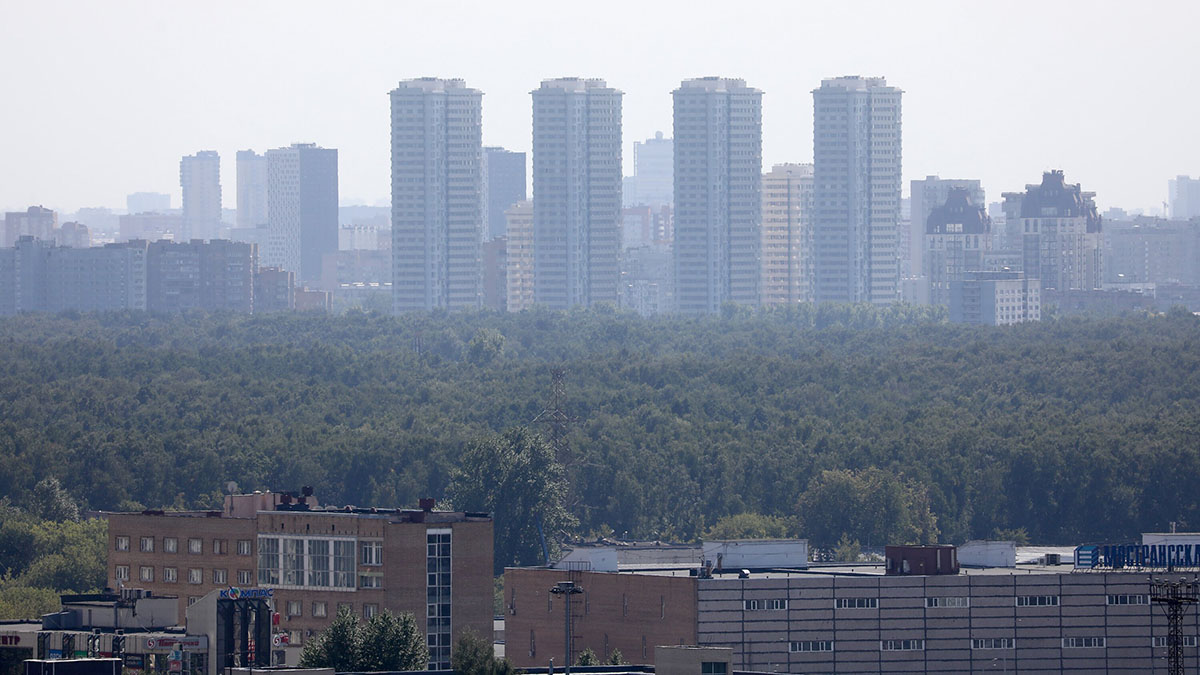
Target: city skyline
[267, 93]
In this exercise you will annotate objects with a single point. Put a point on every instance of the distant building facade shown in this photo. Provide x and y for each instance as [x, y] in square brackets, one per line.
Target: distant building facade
[518, 254]
[37, 276]
[200, 179]
[495, 274]
[958, 235]
[150, 226]
[1184, 197]
[1152, 251]
[251, 189]
[653, 172]
[857, 157]
[302, 208]
[787, 207]
[147, 202]
[926, 195]
[274, 290]
[995, 298]
[577, 192]
[437, 181]
[718, 200]
[503, 186]
[216, 275]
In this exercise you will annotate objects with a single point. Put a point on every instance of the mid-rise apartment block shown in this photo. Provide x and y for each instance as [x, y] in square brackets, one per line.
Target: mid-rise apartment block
[857, 152]
[437, 181]
[577, 192]
[1060, 233]
[503, 186]
[200, 179]
[518, 257]
[36, 221]
[926, 195]
[38, 276]
[436, 565]
[251, 189]
[216, 275]
[302, 208]
[1152, 251]
[995, 298]
[958, 236]
[787, 205]
[718, 200]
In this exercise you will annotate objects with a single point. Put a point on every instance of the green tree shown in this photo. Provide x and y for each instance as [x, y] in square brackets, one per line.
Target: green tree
[335, 647]
[587, 657]
[847, 550]
[514, 477]
[873, 505]
[392, 642]
[616, 658]
[472, 655]
[52, 502]
[25, 602]
[485, 346]
[750, 526]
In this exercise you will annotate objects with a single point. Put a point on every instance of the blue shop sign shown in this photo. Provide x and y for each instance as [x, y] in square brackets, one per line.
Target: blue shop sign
[1119, 556]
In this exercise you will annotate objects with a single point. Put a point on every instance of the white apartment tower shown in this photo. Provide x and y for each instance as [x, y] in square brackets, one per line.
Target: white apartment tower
[302, 208]
[856, 150]
[653, 165]
[718, 202]
[437, 180]
[251, 189]
[576, 192]
[519, 256]
[200, 178]
[787, 196]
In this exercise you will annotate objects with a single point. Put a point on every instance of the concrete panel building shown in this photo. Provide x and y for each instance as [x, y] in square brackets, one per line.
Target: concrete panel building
[302, 208]
[200, 179]
[787, 205]
[216, 275]
[251, 189]
[437, 181]
[36, 221]
[995, 298]
[503, 186]
[857, 152]
[518, 257]
[718, 200]
[1183, 194]
[317, 560]
[577, 192]
[653, 172]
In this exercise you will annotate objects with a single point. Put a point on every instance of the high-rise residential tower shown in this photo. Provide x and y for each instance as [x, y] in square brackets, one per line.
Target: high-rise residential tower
[856, 150]
[1060, 234]
[787, 196]
[437, 180]
[302, 208]
[200, 178]
[958, 234]
[503, 186]
[718, 202]
[927, 195]
[1184, 195]
[251, 189]
[576, 192]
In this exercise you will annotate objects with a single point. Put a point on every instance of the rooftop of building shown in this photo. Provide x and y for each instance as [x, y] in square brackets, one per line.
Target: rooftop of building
[855, 83]
[1055, 198]
[716, 85]
[303, 502]
[575, 84]
[959, 209]
[434, 85]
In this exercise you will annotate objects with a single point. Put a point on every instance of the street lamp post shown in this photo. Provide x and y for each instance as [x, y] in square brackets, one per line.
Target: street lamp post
[566, 589]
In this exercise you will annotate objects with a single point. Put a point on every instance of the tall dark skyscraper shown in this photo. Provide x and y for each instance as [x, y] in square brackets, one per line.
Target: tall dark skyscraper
[302, 208]
[856, 151]
[718, 186]
[437, 181]
[503, 186]
[576, 192]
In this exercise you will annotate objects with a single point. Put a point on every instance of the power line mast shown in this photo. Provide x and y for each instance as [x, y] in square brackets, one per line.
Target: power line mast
[555, 417]
[1174, 597]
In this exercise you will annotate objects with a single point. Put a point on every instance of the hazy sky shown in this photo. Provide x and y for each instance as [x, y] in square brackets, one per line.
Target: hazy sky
[100, 99]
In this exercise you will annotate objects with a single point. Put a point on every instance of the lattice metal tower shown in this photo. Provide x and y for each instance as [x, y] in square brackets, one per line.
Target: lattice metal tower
[1175, 597]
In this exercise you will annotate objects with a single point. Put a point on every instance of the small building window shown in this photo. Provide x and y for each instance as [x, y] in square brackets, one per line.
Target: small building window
[901, 645]
[713, 668]
[220, 577]
[245, 577]
[170, 544]
[220, 546]
[370, 609]
[993, 643]
[245, 547]
[856, 603]
[195, 546]
[122, 543]
[147, 545]
[372, 553]
[294, 607]
[811, 646]
[122, 573]
[170, 575]
[1083, 643]
[320, 609]
[146, 573]
[195, 576]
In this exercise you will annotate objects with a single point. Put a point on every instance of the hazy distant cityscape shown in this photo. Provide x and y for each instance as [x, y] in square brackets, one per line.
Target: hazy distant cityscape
[698, 222]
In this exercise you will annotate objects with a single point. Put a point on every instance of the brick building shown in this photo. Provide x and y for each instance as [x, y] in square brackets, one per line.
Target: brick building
[317, 560]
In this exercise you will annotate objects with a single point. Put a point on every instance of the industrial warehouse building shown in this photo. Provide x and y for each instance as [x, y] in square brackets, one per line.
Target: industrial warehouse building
[436, 565]
[982, 608]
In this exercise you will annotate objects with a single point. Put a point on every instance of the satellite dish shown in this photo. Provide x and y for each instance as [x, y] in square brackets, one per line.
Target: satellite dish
[231, 487]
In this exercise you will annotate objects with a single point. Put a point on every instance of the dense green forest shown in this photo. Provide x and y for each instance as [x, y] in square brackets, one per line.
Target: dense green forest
[880, 424]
